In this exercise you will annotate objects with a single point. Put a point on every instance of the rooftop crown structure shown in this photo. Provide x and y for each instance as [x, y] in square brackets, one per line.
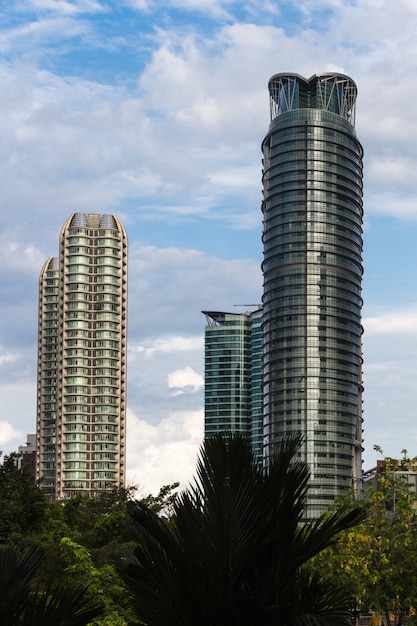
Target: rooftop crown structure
[81, 391]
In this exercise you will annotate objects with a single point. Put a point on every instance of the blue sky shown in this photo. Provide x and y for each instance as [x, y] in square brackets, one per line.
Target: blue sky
[155, 111]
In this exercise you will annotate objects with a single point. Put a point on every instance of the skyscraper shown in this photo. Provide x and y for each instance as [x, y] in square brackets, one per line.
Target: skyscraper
[312, 214]
[81, 388]
[233, 375]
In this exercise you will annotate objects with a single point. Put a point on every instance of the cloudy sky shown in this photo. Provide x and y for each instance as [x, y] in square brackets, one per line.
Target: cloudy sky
[155, 110]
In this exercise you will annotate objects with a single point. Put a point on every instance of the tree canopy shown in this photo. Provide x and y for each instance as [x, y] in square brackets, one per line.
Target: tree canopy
[22, 503]
[378, 559]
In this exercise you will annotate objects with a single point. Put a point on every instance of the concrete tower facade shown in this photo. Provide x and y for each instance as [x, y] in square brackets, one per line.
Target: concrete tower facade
[312, 214]
[82, 337]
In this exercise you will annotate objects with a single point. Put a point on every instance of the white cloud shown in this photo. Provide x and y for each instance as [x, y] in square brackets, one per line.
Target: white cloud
[30, 37]
[171, 286]
[6, 357]
[396, 322]
[165, 453]
[169, 345]
[9, 434]
[203, 140]
[19, 257]
[65, 7]
[390, 364]
[185, 380]
[140, 5]
[241, 177]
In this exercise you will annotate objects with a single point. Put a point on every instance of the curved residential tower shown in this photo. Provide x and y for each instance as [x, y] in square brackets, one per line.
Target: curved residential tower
[312, 212]
[81, 403]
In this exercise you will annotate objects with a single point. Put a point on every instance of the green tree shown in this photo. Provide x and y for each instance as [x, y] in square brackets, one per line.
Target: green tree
[23, 504]
[234, 552]
[97, 521]
[80, 537]
[163, 503]
[103, 583]
[378, 559]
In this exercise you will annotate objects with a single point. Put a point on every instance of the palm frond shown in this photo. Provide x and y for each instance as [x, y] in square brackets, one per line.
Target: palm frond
[23, 605]
[313, 602]
[17, 569]
[234, 553]
[314, 537]
[60, 606]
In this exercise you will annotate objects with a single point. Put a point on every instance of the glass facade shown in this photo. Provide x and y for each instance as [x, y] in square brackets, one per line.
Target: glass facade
[233, 375]
[312, 213]
[81, 405]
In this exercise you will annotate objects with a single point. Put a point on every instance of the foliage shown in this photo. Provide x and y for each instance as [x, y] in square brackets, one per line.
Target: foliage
[99, 520]
[378, 559]
[234, 552]
[103, 583]
[79, 539]
[163, 503]
[25, 604]
[22, 503]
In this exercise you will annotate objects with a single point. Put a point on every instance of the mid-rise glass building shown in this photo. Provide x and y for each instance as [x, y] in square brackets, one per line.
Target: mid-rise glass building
[233, 375]
[82, 336]
[312, 268]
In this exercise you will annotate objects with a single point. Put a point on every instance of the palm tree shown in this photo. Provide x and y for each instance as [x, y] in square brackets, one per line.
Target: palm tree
[23, 603]
[235, 552]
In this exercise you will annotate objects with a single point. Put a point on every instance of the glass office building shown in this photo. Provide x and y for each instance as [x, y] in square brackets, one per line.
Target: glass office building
[312, 267]
[233, 375]
[81, 390]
